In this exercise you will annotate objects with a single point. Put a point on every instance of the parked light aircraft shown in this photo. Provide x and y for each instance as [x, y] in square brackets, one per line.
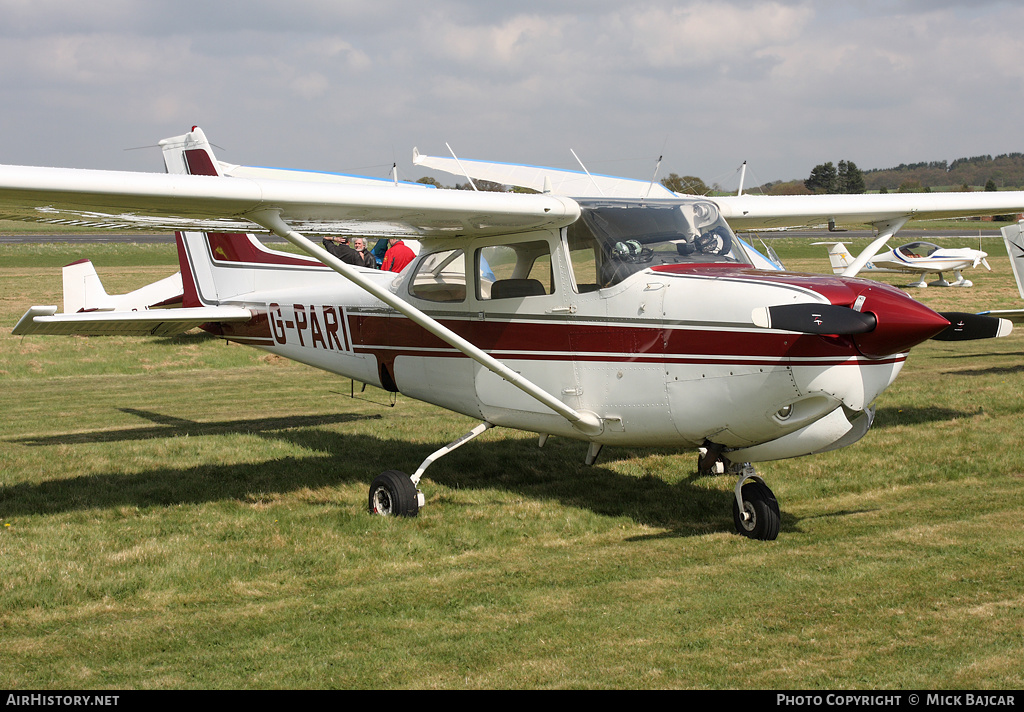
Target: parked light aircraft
[919, 258]
[634, 321]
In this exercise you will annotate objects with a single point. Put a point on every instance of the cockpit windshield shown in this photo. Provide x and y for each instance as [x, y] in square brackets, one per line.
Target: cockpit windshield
[631, 236]
[918, 249]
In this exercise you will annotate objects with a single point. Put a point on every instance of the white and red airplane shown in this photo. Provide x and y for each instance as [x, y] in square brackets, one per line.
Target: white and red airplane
[615, 321]
[920, 258]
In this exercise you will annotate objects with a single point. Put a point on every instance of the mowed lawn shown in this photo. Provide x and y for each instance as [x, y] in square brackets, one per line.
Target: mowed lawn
[185, 513]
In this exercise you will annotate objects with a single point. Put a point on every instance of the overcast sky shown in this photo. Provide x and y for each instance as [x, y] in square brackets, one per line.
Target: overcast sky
[354, 86]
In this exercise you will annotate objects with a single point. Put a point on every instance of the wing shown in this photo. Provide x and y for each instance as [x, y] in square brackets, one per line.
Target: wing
[557, 181]
[116, 199]
[747, 212]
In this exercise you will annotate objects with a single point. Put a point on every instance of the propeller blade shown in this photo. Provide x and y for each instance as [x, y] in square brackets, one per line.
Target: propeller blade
[814, 319]
[985, 262]
[967, 327]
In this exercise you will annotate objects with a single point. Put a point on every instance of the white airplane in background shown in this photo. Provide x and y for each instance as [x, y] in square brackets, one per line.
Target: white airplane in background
[631, 321]
[919, 258]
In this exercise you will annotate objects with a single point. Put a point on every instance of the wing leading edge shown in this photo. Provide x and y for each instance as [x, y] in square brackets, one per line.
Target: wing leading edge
[748, 212]
[118, 199]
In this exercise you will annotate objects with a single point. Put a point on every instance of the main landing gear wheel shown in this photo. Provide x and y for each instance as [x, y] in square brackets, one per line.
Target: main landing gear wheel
[761, 517]
[394, 494]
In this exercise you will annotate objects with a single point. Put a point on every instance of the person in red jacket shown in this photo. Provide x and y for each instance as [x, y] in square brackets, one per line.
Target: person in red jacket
[397, 256]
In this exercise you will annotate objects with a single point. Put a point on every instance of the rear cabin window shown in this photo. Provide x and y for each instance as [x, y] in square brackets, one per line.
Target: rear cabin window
[440, 277]
[512, 271]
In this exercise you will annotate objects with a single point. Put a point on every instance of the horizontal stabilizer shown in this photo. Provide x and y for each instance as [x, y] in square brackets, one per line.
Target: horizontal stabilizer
[154, 322]
[967, 327]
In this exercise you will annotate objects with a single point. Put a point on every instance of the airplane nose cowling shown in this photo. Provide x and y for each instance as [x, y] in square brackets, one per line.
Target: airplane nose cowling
[903, 322]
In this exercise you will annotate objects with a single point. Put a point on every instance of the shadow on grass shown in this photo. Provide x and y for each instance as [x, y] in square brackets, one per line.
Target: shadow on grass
[193, 336]
[170, 427]
[555, 472]
[891, 417]
[993, 371]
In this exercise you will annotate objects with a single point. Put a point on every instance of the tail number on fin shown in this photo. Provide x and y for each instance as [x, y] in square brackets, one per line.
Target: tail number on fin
[313, 326]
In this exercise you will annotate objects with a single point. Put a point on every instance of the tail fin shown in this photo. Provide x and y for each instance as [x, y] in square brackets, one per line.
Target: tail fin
[839, 256]
[190, 154]
[83, 292]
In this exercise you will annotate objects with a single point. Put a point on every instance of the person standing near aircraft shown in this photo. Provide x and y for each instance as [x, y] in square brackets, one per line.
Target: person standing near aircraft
[339, 247]
[359, 245]
[397, 256]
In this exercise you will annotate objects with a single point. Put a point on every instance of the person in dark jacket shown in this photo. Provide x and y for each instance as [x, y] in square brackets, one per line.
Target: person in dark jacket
[359, 245]
[339, 247]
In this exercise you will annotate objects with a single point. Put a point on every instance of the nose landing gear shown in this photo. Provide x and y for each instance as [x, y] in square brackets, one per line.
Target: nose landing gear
[755, 511]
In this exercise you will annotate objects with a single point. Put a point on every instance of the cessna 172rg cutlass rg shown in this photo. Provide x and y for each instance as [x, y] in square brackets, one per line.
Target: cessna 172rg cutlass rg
[615, 321]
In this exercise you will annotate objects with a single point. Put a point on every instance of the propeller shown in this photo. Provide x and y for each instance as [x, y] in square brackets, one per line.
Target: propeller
[831, 319]
[814, 319]
[964, 326]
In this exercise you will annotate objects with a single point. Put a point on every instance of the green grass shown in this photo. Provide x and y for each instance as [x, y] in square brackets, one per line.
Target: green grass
[181, 513]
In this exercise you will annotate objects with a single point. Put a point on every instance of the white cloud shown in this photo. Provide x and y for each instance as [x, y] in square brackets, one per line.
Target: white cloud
[328, 84]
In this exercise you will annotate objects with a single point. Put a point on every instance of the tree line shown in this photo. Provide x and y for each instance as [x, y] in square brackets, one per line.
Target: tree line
[964, 174]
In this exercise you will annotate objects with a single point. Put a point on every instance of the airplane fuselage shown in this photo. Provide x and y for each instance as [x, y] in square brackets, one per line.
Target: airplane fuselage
[668, 356]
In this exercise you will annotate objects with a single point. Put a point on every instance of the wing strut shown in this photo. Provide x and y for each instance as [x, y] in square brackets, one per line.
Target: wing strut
[886, 230]
[586, 422]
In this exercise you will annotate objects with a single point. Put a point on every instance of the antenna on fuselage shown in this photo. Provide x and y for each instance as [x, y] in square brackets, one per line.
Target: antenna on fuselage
[587, 172]
[657, 167]
[394, 173]
[743, 174]
[461, 168]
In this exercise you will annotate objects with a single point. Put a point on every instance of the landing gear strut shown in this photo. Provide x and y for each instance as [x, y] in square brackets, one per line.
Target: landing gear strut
[397, 494]
[755, 511]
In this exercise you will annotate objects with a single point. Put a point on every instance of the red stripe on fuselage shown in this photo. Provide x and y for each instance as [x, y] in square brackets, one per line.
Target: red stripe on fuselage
[560, 340]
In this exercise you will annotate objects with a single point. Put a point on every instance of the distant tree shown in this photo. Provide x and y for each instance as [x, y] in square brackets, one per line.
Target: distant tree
[849, 178]
[427, 180]
[691, 185]
[910, 185]
[482, 185]
[823, 179]
[990, 186]
[883, 190]
[792, 187]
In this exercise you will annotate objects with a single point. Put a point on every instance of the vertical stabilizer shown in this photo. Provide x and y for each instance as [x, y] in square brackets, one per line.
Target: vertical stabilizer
[83, 290]
[838, 255]
[190, 154]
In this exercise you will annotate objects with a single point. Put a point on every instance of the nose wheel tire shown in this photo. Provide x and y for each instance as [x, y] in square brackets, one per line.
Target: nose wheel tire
[393, 494]
[760, 517]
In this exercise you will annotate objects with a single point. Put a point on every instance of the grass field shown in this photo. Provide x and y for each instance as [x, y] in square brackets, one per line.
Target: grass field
[182, 513]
